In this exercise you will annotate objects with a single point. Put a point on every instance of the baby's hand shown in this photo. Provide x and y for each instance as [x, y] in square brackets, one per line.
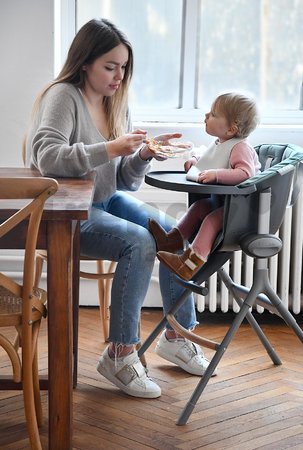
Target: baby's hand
[207, 176]
[190, 162]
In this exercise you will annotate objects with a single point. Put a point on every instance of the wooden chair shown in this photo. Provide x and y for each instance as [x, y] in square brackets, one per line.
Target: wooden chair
[103, 277]
[21, 305]
[104, 284]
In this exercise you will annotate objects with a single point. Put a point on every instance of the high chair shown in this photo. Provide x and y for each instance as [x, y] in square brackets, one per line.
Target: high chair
[253, 213]
[22, 305]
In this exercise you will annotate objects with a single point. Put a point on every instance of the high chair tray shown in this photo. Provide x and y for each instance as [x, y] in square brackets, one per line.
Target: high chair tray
[176, 181]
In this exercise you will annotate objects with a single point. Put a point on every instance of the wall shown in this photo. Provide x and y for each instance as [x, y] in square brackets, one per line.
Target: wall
[26, 55]
[27, 63]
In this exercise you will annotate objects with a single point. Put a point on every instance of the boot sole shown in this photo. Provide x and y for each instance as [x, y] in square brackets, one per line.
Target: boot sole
[186, 277]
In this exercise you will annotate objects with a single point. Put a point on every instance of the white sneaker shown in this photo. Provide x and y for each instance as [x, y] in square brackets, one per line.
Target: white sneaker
[184, 354]
[129, 375]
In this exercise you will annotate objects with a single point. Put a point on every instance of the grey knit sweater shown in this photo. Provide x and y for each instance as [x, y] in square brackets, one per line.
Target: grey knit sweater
[64, 142]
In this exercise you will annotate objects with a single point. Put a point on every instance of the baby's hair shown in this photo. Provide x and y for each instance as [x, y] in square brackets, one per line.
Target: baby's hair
[239, 110]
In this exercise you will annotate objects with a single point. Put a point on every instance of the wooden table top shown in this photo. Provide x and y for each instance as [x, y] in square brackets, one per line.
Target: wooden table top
[72, 200]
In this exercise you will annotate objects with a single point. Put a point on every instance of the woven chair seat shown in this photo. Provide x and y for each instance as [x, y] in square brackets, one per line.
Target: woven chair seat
[11, 307]
[9, 302]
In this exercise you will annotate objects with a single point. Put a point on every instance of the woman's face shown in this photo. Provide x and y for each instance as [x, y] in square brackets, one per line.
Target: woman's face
[105, 74]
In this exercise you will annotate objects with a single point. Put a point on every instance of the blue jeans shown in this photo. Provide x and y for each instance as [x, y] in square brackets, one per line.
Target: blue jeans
[117, 230]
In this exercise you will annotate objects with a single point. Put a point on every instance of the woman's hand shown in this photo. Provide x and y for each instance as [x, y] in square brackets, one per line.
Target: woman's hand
[164, 139]
[146, 154]
[125, 145]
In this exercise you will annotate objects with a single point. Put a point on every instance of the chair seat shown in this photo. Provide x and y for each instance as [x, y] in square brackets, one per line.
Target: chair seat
[11, 307]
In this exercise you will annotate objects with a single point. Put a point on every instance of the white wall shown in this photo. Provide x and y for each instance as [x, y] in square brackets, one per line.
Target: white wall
[27, 58]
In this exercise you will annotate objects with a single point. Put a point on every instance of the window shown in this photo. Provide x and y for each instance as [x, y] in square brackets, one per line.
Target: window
[154, 29]
[256, 45]
[186, 52]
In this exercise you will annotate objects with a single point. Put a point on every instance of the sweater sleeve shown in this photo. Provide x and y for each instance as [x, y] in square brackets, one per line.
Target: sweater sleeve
[132, 168]
[243, 164]
[54, 146]
[131, 171]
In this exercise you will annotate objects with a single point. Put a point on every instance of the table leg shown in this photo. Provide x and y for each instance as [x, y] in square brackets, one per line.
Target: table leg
[76, 271]
[60, 348]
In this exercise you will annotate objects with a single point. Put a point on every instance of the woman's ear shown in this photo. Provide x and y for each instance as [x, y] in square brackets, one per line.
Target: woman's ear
[84, 68]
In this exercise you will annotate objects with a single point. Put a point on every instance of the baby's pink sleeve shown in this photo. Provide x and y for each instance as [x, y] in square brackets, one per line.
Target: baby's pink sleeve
[243, 164]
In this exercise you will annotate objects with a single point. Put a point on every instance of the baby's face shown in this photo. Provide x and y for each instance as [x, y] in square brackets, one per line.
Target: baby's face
[216, 124]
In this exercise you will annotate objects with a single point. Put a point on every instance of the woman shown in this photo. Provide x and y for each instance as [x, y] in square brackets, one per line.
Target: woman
[81, 123]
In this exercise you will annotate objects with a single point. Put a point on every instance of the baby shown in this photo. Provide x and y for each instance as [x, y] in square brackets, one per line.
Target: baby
[228, 160]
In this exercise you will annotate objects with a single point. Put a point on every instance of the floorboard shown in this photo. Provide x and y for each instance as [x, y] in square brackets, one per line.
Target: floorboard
[250, 404]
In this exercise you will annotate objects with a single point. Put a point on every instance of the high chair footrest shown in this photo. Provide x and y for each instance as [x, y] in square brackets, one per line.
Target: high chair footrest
[190, 335]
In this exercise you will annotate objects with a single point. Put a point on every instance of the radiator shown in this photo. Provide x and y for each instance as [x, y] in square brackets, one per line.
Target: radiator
[285, 269]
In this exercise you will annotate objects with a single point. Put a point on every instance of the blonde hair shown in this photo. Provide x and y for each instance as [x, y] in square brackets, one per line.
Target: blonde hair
[239, 111]
[93, 40]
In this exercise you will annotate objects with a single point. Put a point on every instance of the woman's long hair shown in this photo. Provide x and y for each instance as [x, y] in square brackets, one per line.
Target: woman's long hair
[93, 40]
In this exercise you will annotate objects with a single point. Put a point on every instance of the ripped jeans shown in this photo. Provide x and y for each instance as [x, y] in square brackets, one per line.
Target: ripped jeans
[117, 230]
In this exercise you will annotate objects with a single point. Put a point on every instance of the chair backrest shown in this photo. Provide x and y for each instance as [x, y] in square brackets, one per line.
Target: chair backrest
[24, 150]
[281, 172]
[32, 192]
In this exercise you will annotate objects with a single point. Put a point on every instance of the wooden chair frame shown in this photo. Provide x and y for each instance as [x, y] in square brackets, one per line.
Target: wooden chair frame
[34, 191]
[103, 277]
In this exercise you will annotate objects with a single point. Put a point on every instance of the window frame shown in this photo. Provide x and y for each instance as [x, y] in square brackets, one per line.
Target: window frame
[65, 29]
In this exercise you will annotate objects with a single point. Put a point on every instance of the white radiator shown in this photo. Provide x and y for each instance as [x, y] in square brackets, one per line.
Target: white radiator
[285, 269]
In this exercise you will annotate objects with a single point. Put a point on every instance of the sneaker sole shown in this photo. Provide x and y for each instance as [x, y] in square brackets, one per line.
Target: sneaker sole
[124, 388]
[180, 363]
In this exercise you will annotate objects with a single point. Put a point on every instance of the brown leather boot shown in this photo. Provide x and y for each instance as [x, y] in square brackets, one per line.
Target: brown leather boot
[185, 266]
[168, 242]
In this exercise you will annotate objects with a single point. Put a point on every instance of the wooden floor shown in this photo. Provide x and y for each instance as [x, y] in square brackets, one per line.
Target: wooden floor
[251, 404]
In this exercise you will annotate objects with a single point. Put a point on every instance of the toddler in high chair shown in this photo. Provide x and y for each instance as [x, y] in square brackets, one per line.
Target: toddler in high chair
[229, 160]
